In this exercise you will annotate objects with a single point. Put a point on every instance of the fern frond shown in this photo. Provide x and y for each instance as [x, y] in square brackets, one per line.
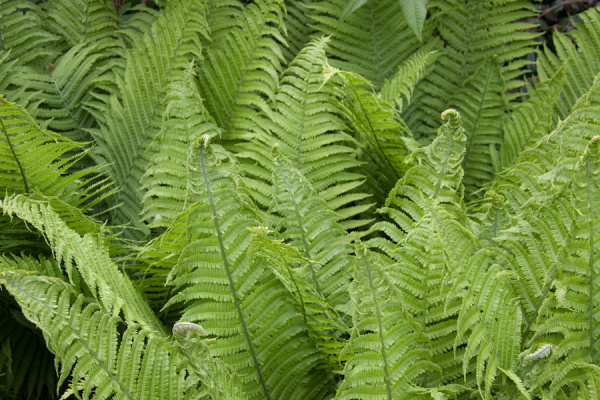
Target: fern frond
[383, 353]
[88, 254]
[165, 180]
[133, 120]
[85, 339]
[239, 76]
[579, 54]
[289, 266]
[25, 170]
[61, 92]
[398, 90]
[528, 122]
[81, 21]
[298, 27]
[256, 331]
[308, 224]
[308, 126]
[482, 63]
[372, 41]
[21, 34]
[382, 138]
[218, 381]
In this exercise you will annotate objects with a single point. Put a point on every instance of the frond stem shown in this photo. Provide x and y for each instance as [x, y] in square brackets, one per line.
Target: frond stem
[381, 337]
[442, 170]
[591, 256]
[230, 277]
[12, 149]
[301, 226]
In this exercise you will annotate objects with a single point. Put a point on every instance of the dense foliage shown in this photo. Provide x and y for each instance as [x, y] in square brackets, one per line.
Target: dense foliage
[225, 199]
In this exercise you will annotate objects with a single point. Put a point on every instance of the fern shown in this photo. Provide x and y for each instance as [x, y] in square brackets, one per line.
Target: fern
[304, 102]
[581, 58]
[266, 343]
[131, 122]
[371, 41]
[83, 335]
[248, 200]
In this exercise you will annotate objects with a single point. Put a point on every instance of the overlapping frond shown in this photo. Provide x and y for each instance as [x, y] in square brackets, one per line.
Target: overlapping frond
[165, 182]
[372, 41]
[482, 60]
[84, 336]
[383, 355]
[59, 94]
[133, 119]
[81, 21]
[86, 256]
[239, 76]
[36, 161]
[20, 35]
[398, 89]
[529, 122]
[382, 138]
[235, 299]
[579, 50]
[307, 125]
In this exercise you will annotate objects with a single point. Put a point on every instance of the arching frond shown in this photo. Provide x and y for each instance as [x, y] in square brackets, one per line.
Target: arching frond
[81, 21]
[398, 90]
[295, 272]
[308, 127]
[239, 76]
[372, 41]
[217, 380]
[84, 337]
[383, 353]
[36, 161]
[298, 27]
[165, 181]
[61, 92]
[529, 122]
[133, 119]
[88, 254]
[382, 138]
[20, 33]
[580, 56]
[257, 333]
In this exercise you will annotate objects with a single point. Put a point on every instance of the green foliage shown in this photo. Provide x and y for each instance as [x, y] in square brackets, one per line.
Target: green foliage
[258, 200]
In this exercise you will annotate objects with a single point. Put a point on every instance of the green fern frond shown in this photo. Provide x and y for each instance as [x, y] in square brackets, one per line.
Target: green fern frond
[529, 122]
[399, 89]
[165, 180]
[297, 25]
[579, 51]
[257, 332]
[36, 161]
[217, 380]
[21, 34]
[371, 41]
[85, 339]
[60, 93]
[81, 21]
[383, 356]
[133, 120]
[88, 254]
[326, 326]
[307, 125]
[478, 75]
[382, 138]
[309, 224]
[239, 76]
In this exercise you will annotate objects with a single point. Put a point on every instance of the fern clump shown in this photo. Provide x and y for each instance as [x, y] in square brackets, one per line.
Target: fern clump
[306, 200]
